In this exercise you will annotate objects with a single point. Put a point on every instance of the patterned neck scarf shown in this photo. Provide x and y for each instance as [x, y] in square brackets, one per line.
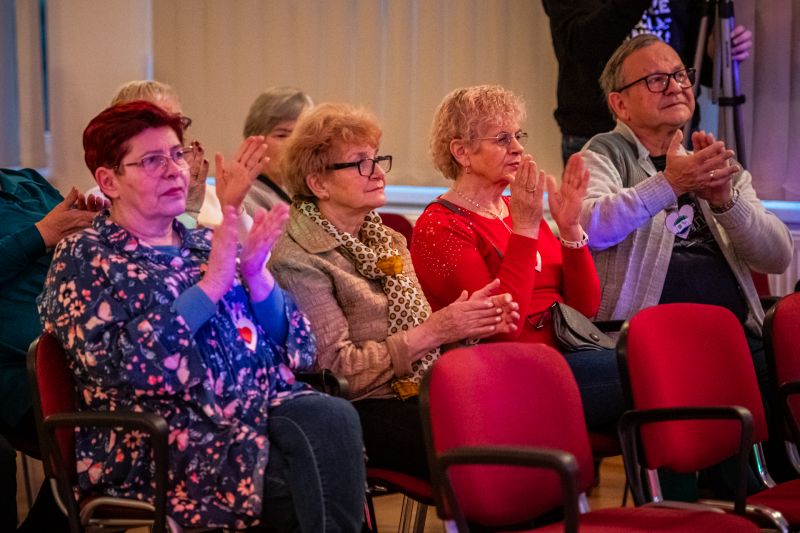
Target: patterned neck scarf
[375, 258]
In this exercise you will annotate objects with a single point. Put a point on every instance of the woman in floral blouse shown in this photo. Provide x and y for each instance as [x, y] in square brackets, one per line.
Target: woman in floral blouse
[163, 319]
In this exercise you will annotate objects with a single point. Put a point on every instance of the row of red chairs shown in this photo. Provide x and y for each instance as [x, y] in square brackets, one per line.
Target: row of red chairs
[506, 436]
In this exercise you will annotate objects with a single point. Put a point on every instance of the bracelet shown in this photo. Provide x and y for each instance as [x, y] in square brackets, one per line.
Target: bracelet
[575, 244]
[719, 209]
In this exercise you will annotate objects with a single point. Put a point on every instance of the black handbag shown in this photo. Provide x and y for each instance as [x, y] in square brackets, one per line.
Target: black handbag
[573, 331]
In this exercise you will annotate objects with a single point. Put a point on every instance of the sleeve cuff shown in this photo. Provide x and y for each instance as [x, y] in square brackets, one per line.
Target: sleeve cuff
[397, 346]
[656, 193]
[271, 316]
[195, 307]
[31, 242]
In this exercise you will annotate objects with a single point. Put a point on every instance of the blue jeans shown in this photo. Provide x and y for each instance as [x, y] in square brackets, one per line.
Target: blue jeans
[315, 478]
[597, 374]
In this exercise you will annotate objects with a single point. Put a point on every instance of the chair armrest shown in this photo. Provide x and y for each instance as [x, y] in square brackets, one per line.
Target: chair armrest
[150, 423]
[786, 391]
[632, 421]
[326, 381]
[562, 462]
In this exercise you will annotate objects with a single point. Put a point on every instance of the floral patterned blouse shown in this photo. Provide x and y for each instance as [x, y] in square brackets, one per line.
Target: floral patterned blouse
[109, 300]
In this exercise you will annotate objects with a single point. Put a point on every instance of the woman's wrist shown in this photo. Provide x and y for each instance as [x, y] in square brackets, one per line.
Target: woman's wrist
[260, 286]
[572, 233]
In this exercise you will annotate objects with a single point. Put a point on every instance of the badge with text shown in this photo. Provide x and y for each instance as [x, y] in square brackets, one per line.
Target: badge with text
[680, 222]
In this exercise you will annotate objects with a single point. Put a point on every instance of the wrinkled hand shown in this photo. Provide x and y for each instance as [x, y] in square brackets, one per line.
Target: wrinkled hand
[741, 43]
[565, 202]
[67, 217]
[704, 168]
[527, 191]
[717, 191]
[198, 172]
[235, 178]
[92, 202]
[505, 302]
[221, 267]
[267, 229]
[466, 318]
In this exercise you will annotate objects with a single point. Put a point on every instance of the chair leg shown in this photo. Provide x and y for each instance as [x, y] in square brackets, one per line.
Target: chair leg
[26, 474]
[370, 525]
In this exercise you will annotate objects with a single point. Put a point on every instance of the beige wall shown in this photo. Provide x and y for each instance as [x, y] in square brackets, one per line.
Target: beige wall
[399, 58]
[93, 46]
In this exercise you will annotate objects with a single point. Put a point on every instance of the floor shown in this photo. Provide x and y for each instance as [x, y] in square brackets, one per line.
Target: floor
[387, 508]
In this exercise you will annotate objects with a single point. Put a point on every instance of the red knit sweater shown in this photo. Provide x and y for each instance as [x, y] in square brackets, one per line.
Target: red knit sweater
[452, 252]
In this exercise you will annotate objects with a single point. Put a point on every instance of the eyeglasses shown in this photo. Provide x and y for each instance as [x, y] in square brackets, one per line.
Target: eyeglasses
[659, 82]
[366, 166]
[504, 138]
[156, 164]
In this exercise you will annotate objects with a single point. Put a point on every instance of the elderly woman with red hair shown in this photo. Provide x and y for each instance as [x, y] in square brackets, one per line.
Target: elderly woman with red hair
[158, 318]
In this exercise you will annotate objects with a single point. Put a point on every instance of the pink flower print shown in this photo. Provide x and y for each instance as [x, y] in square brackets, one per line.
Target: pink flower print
[180, 437]
[245, 487]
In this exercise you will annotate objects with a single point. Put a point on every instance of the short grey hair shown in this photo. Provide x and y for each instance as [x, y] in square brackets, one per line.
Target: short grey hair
[274, 106]
[611, 78]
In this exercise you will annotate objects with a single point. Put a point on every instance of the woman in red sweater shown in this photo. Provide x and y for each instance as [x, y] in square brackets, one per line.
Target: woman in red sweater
[473, 234]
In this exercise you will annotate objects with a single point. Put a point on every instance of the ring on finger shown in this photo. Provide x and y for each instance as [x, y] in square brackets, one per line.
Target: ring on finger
[711, 174]
[529, 189]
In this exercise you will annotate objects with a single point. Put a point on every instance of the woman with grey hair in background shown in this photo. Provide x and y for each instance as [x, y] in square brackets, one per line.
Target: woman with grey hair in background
[273, 114]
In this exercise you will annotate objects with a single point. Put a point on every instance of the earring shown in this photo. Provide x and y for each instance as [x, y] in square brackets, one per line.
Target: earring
[467, 169]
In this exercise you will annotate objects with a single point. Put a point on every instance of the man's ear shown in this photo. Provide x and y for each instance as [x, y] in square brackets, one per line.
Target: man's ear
[460, 151]
[108, 181]
[318, 186]
[618, 104]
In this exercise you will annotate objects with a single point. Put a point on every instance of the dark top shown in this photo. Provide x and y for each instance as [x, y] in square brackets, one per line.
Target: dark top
[586, 32]
[25, 198]
[698, 272]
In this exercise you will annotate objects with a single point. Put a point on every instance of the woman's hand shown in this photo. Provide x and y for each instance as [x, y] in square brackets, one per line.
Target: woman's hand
[526, 206]
[69, 216]
[236, 178]
[267, 229]
[221, 268]
[505, 302]
[565, 203]
[198, 172]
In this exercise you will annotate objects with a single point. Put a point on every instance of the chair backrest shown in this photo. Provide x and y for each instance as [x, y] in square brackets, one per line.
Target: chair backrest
[400, 224]
[511, 394]
[53, 391]
[782, 343]
[679, 355]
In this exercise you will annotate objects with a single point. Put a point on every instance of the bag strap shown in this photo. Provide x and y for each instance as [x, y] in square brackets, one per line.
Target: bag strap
[461, 212]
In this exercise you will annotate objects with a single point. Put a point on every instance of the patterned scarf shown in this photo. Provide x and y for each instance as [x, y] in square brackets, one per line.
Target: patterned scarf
[375, 258]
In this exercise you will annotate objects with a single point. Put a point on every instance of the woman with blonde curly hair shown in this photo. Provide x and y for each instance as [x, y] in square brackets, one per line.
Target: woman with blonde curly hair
[354, 279]
[473, 233]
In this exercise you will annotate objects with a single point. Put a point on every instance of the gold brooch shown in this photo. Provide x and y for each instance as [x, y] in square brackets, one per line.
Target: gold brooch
[391, 266]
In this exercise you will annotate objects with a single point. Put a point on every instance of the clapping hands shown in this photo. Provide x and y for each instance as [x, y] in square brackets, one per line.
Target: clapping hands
[235, 178]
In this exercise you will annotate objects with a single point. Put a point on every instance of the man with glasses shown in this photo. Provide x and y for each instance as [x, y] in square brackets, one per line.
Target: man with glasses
[586, 32]
[666, 225]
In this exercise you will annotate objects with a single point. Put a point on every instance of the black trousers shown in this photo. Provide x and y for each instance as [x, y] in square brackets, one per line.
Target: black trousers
[393, 438]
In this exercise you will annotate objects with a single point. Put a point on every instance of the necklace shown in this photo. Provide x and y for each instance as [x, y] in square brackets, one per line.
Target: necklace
[479, 207]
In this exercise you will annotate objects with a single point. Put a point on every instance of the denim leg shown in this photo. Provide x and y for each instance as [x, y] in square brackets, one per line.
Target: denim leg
[571, 144]
[597, 375]
[319, 465]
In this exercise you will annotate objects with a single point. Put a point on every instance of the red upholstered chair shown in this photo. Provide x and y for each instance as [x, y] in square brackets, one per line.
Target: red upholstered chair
[56, 417]
[508, 444]
[782, 346]
[400, 224]
[417, 496]
[679, 356]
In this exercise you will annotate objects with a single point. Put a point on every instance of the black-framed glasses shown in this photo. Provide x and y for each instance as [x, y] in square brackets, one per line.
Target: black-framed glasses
[366, 166]
[155, 164]
[659, 82]
[504, 138]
